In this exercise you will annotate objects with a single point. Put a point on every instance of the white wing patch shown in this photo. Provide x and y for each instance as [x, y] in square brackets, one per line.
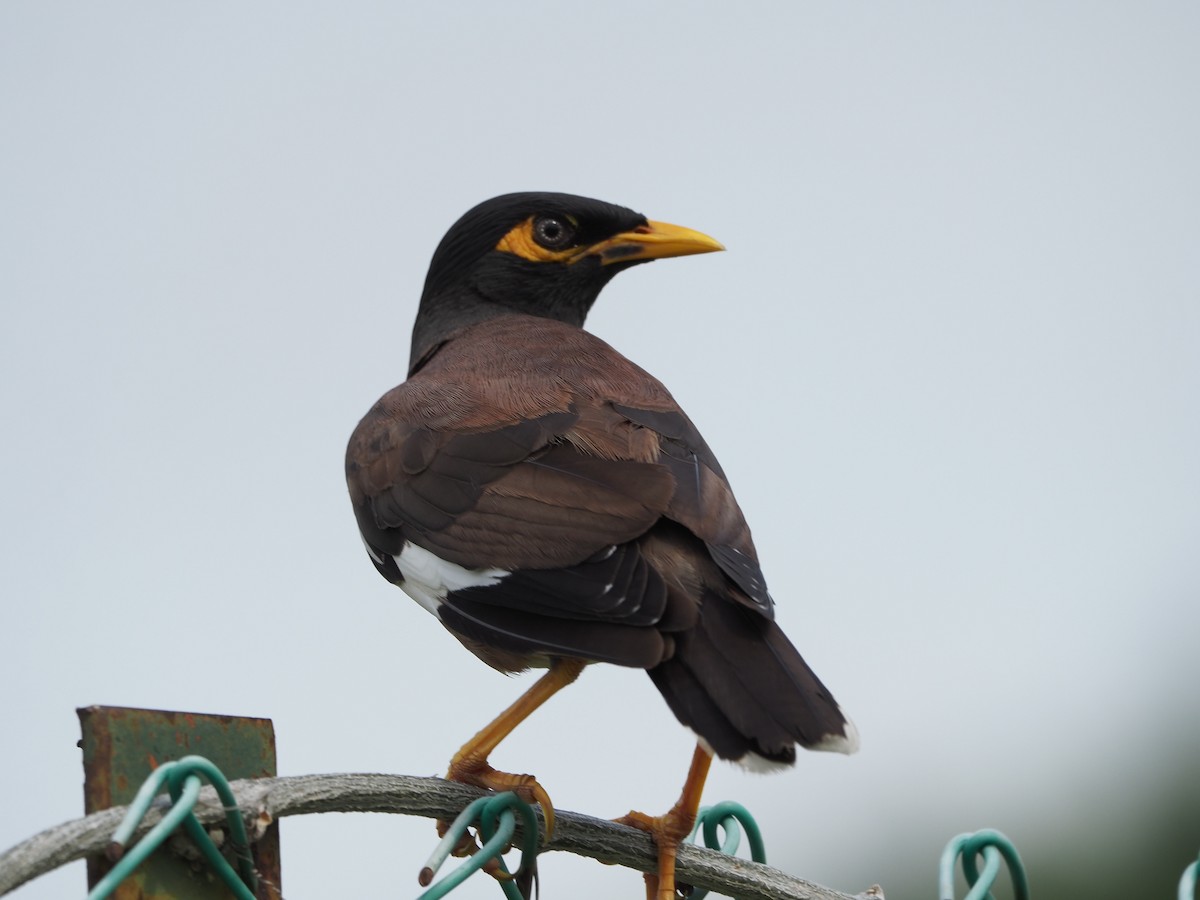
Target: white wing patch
[428, 578]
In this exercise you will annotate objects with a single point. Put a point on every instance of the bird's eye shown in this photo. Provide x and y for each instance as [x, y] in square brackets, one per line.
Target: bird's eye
[553, 233]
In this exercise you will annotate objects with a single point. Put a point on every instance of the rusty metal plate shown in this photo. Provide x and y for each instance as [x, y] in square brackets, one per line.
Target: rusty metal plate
[121, 746]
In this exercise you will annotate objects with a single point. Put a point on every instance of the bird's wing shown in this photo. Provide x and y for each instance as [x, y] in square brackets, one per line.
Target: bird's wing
[542, 491]
[542, 531]
[703, 501]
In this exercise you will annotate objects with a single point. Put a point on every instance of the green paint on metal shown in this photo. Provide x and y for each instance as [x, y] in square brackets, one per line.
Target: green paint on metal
[122, 746]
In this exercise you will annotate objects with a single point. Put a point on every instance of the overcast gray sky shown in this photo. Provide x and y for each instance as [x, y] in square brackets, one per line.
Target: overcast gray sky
[949, 363]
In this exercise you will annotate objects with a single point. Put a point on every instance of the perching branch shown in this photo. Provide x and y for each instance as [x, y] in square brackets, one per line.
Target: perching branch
[264, 800]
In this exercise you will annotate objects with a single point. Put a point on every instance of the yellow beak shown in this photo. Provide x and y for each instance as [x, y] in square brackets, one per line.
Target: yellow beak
[654, 240]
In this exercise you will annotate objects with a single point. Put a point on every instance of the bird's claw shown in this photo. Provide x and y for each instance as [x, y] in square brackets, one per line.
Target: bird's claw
[668, 831]
[526, 787]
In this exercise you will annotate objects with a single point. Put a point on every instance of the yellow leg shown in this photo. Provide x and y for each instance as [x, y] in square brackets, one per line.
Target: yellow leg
[670, 829]
[470, 765]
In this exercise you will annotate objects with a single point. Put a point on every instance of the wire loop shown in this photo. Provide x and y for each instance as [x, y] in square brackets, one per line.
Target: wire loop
[728, 816]
[995, 849]
[495, 818]
[182, 780]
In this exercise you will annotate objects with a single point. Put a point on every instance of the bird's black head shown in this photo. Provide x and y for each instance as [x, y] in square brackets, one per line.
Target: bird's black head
[544, 254]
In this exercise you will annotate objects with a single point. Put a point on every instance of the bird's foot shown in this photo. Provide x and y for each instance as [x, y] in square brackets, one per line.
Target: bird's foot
[480, 774]
[668, 832]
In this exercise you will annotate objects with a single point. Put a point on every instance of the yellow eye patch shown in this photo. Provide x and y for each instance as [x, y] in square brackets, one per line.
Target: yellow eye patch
[520, 242]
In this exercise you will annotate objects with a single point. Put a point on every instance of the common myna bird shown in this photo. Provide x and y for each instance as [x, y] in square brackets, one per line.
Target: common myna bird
[552, 505]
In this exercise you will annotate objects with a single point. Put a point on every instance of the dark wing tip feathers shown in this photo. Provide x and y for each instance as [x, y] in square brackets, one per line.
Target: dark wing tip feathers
[739, 683]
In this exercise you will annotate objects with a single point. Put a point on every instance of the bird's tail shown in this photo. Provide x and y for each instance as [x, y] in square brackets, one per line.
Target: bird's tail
[737, 681]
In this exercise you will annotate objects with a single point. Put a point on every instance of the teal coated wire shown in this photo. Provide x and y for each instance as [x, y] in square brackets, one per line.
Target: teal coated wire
[981, 886]
[142, 801]
[1187, 882]
[728, 815]
[238, 841]
[184, 786]
[490, 817]
[146, 845]
[995, 849]
[496, 818]
[450, 840]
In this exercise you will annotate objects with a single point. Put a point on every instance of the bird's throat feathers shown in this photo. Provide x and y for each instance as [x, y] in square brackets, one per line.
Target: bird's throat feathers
[493, 290]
